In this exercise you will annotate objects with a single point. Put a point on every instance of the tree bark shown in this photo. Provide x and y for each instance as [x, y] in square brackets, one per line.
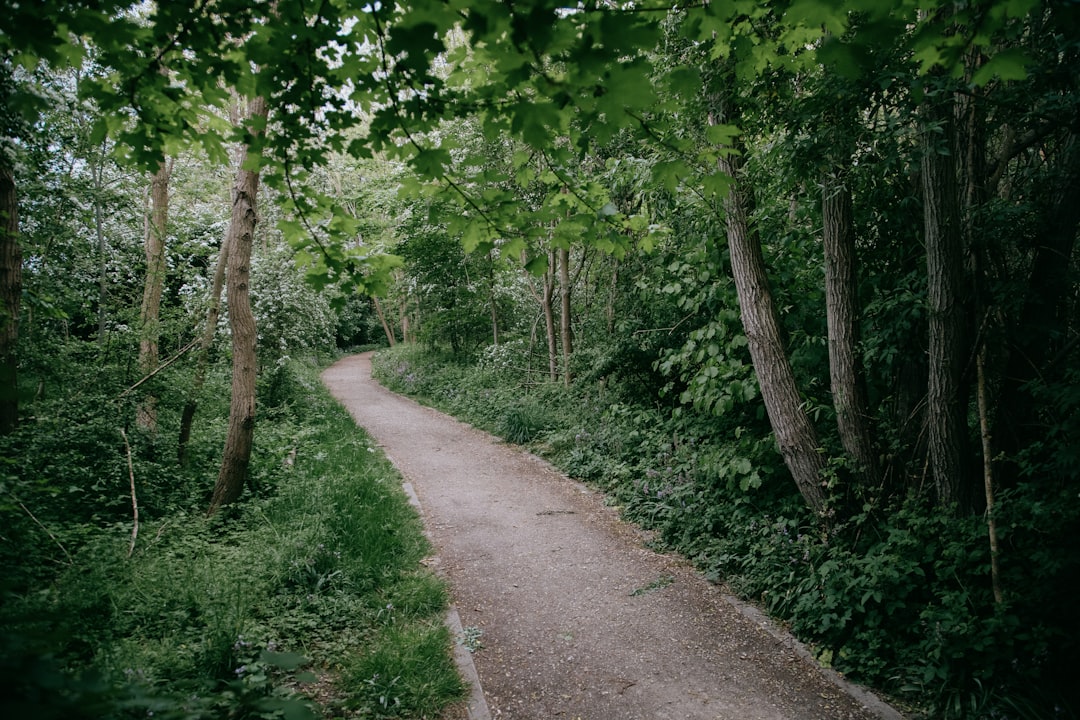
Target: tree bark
[10, 297]
[792, 427]
[382, 318]
[96, 172]
[565, 329]
[241, 233]
[206, 341]
[156, 223]
[841, 309]
[946, 400]
[794, 432]
[546, 303]
[492, 303]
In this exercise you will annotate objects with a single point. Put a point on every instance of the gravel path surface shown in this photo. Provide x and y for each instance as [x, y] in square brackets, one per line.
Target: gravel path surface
[578, 619]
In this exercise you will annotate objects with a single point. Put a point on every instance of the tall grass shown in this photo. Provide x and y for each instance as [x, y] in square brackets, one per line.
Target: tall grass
[312, 582]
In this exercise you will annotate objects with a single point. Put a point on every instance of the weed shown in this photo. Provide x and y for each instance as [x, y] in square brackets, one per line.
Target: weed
[207, 616]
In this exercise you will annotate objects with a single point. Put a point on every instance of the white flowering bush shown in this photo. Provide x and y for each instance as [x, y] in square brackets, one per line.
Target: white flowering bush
[290, 316]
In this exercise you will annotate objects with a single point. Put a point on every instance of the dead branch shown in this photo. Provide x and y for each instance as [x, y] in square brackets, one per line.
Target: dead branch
[134, 500]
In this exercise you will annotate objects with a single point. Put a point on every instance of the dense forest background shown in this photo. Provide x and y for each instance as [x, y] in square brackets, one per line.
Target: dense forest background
[795, 282]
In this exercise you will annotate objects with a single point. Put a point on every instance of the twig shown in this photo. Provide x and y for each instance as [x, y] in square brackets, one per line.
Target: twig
[162, 366]
[60, 545]
[134, 500]
[988, 476]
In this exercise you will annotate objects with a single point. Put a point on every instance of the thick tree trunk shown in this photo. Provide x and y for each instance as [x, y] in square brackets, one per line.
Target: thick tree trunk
[794, 432]
[150, 315]
[10, 297]
[241, 233]
[946, 399]
[565, 329]
[841, 308]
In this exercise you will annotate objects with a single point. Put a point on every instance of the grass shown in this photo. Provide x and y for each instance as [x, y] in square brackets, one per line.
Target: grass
[313, 582]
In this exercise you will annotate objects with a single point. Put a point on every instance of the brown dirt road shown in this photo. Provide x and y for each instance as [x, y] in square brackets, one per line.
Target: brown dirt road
[579, 620]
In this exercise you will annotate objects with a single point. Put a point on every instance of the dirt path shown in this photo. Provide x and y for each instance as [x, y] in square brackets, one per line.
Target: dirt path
[578, 619]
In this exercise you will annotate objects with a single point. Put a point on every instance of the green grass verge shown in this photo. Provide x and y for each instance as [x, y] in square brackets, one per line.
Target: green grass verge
[307, 599]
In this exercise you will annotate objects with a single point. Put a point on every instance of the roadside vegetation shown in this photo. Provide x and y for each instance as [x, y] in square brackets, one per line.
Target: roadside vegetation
[896, 596]
[656, 241]
[306, 599]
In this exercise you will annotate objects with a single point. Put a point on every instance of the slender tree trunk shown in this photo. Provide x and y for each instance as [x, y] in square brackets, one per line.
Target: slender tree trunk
[549, 317]
[946, 400]
[382, 318]
[97, 171]
[241, 234]
[213, 311]
[988, 476]
[841, 308]
[10, 297]
[613, 290]
[156, 223]
[403, 320]
[491, 299]
[565, 327]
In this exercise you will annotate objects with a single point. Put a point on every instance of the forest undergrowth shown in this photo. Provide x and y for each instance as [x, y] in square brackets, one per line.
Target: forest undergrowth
[306, 599]
[896, 596]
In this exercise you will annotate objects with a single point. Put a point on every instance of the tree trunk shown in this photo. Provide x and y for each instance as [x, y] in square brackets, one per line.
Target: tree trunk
[946, 400]
[565, 328]
[213, 311]
[10, 297]
[492, 300]
[792, 427]
[841, 308]
[382, 318]
[96, 172]
[156, 222]
[794, 432]
[241, 233]
[546, 302]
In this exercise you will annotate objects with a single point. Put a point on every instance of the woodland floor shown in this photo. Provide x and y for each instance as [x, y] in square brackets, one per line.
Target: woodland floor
[577, 617]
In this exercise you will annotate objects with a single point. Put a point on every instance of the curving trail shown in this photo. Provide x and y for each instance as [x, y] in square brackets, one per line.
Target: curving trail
[579, 619]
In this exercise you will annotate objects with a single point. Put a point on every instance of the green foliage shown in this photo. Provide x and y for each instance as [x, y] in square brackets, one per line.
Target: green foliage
[230, 616]
[406, 672]
[896, 596]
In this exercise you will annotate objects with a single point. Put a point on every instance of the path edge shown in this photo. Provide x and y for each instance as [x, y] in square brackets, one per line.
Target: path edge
[476, 707]
[870, 700]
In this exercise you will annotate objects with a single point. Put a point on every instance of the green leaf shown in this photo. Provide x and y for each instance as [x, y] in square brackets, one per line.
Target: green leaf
[684, 81]
[722, 134]
[537, 265]
[716, 184]
[1007, 65]
[669, 174]
[431, 162]
[282, 660]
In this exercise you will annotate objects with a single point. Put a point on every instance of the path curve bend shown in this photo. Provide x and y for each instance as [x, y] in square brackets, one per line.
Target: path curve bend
[578, 618]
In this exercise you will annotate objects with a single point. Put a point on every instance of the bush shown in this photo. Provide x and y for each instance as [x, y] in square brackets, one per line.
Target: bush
[206, 617]
[897, 595]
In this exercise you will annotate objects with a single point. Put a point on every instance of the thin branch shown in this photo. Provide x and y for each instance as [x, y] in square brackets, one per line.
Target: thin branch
[160, 367]
[134, 499]
[60, 545]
